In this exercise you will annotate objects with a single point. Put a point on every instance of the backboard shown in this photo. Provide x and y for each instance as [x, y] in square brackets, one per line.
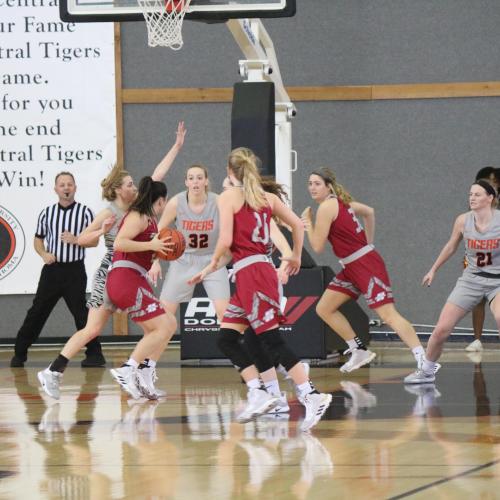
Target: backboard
[203, 10]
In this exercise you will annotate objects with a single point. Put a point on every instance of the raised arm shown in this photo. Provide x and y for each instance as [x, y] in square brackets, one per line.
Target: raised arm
[102, 223]
[448, 250]
[317, 232]
[164, 166]
[368, 215]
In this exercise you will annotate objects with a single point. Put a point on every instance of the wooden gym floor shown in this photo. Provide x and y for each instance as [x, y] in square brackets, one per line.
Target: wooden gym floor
[379, 439]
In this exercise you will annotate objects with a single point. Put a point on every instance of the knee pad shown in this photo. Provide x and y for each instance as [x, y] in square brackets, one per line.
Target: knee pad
[272, 339]
[258, 352]
[230, 343]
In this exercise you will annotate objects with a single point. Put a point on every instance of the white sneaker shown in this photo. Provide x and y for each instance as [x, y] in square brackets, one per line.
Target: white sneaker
[49, 423]
[316, 404]
[316, 461]
[475, 357]
[426, 397]
[360, 397]
[259, 402]
[474, 346]
[146, 378]
[50, 381]
[126, 376]
[420, 376]
[359, 358]
[281, 405]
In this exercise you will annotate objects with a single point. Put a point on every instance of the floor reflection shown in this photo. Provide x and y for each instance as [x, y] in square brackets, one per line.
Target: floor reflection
[379, 437]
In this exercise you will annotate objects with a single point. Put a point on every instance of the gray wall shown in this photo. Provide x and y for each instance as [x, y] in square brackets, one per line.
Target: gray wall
[413, 161]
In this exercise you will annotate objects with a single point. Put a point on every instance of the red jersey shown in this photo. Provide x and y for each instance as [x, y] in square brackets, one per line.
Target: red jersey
[346, 234]
[143, 259]
[251, 230]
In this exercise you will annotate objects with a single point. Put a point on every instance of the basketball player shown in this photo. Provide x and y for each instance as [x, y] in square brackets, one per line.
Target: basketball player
[492, 175]
[127, 285]
[480, 230]
[363, 270]
[245, 212]
[119, 189]
[196, 216]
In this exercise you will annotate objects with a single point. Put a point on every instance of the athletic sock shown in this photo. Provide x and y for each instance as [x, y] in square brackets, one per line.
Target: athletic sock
[418, 352]
[147, 363]
[356, 343]
[273, 387]
[306, 388]
[132, 363]
[59, 364]
[428, 366]
[255, 383]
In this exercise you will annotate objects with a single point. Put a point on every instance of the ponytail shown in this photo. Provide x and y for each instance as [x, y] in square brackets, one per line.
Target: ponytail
[336, 189]
[149, 192]
[244, 165]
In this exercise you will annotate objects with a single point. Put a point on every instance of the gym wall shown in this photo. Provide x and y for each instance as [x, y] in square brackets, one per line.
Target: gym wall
[411, 159]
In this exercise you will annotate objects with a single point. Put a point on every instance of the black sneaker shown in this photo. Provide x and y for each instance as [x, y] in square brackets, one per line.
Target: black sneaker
[17, 362]
[94, 361]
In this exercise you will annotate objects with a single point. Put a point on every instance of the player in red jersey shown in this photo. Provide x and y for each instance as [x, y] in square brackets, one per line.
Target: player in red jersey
[245, 215]
[363, 270]
[127, 285]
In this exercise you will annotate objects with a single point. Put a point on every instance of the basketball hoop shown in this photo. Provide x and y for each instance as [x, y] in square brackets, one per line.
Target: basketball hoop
[164, 21]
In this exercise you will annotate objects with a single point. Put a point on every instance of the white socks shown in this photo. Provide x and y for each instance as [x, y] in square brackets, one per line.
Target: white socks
[418, 352]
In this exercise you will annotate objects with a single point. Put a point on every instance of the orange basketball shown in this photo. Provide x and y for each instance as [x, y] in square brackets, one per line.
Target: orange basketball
[177, 239]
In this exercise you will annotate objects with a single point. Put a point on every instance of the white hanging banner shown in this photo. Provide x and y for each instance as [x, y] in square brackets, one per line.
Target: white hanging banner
[57, 113]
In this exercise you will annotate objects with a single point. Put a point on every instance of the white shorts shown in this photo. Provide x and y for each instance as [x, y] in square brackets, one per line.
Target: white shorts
[176, 288]
[471, 289]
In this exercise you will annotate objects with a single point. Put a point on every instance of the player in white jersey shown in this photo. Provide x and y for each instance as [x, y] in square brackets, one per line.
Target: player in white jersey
[492, 175]
[196, 216]
[480, 230]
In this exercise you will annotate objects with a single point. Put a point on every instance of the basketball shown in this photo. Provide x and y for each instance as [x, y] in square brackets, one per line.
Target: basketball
[177, 239]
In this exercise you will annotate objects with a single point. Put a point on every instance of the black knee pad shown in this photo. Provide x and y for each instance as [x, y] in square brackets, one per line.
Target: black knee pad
[230, 343]
[258, 351]
[272, 339]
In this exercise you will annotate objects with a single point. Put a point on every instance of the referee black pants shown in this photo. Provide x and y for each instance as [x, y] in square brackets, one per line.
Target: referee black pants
[66, 280]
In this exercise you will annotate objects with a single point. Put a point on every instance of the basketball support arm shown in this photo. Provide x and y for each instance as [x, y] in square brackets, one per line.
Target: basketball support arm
[261, 65]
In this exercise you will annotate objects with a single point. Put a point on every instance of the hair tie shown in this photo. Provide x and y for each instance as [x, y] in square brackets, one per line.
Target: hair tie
[487, 187]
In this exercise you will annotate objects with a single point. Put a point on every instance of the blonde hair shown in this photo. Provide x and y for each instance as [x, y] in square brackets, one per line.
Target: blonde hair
[243, 163]
[112, 182]
[205, 172]
[337, 189]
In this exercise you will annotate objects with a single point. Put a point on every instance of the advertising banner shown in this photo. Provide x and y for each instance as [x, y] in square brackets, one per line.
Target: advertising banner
[57, 113]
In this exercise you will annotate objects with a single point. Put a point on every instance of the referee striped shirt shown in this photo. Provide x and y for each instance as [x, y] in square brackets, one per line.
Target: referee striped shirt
[56, 219]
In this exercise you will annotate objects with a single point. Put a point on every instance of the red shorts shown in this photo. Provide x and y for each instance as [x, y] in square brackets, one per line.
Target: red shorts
[130, 292]
[256, 301]
[368, 276]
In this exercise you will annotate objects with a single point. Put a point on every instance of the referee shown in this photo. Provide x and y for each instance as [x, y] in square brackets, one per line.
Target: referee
[63, 274]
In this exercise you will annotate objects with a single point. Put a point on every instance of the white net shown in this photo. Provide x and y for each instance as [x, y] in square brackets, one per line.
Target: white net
[164, 21]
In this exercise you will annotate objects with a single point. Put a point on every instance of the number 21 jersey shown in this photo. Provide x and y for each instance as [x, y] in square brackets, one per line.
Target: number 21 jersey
[482, 250]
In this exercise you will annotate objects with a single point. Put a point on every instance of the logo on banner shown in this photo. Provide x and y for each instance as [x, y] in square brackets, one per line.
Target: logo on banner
[12, 242]
[200, 313]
